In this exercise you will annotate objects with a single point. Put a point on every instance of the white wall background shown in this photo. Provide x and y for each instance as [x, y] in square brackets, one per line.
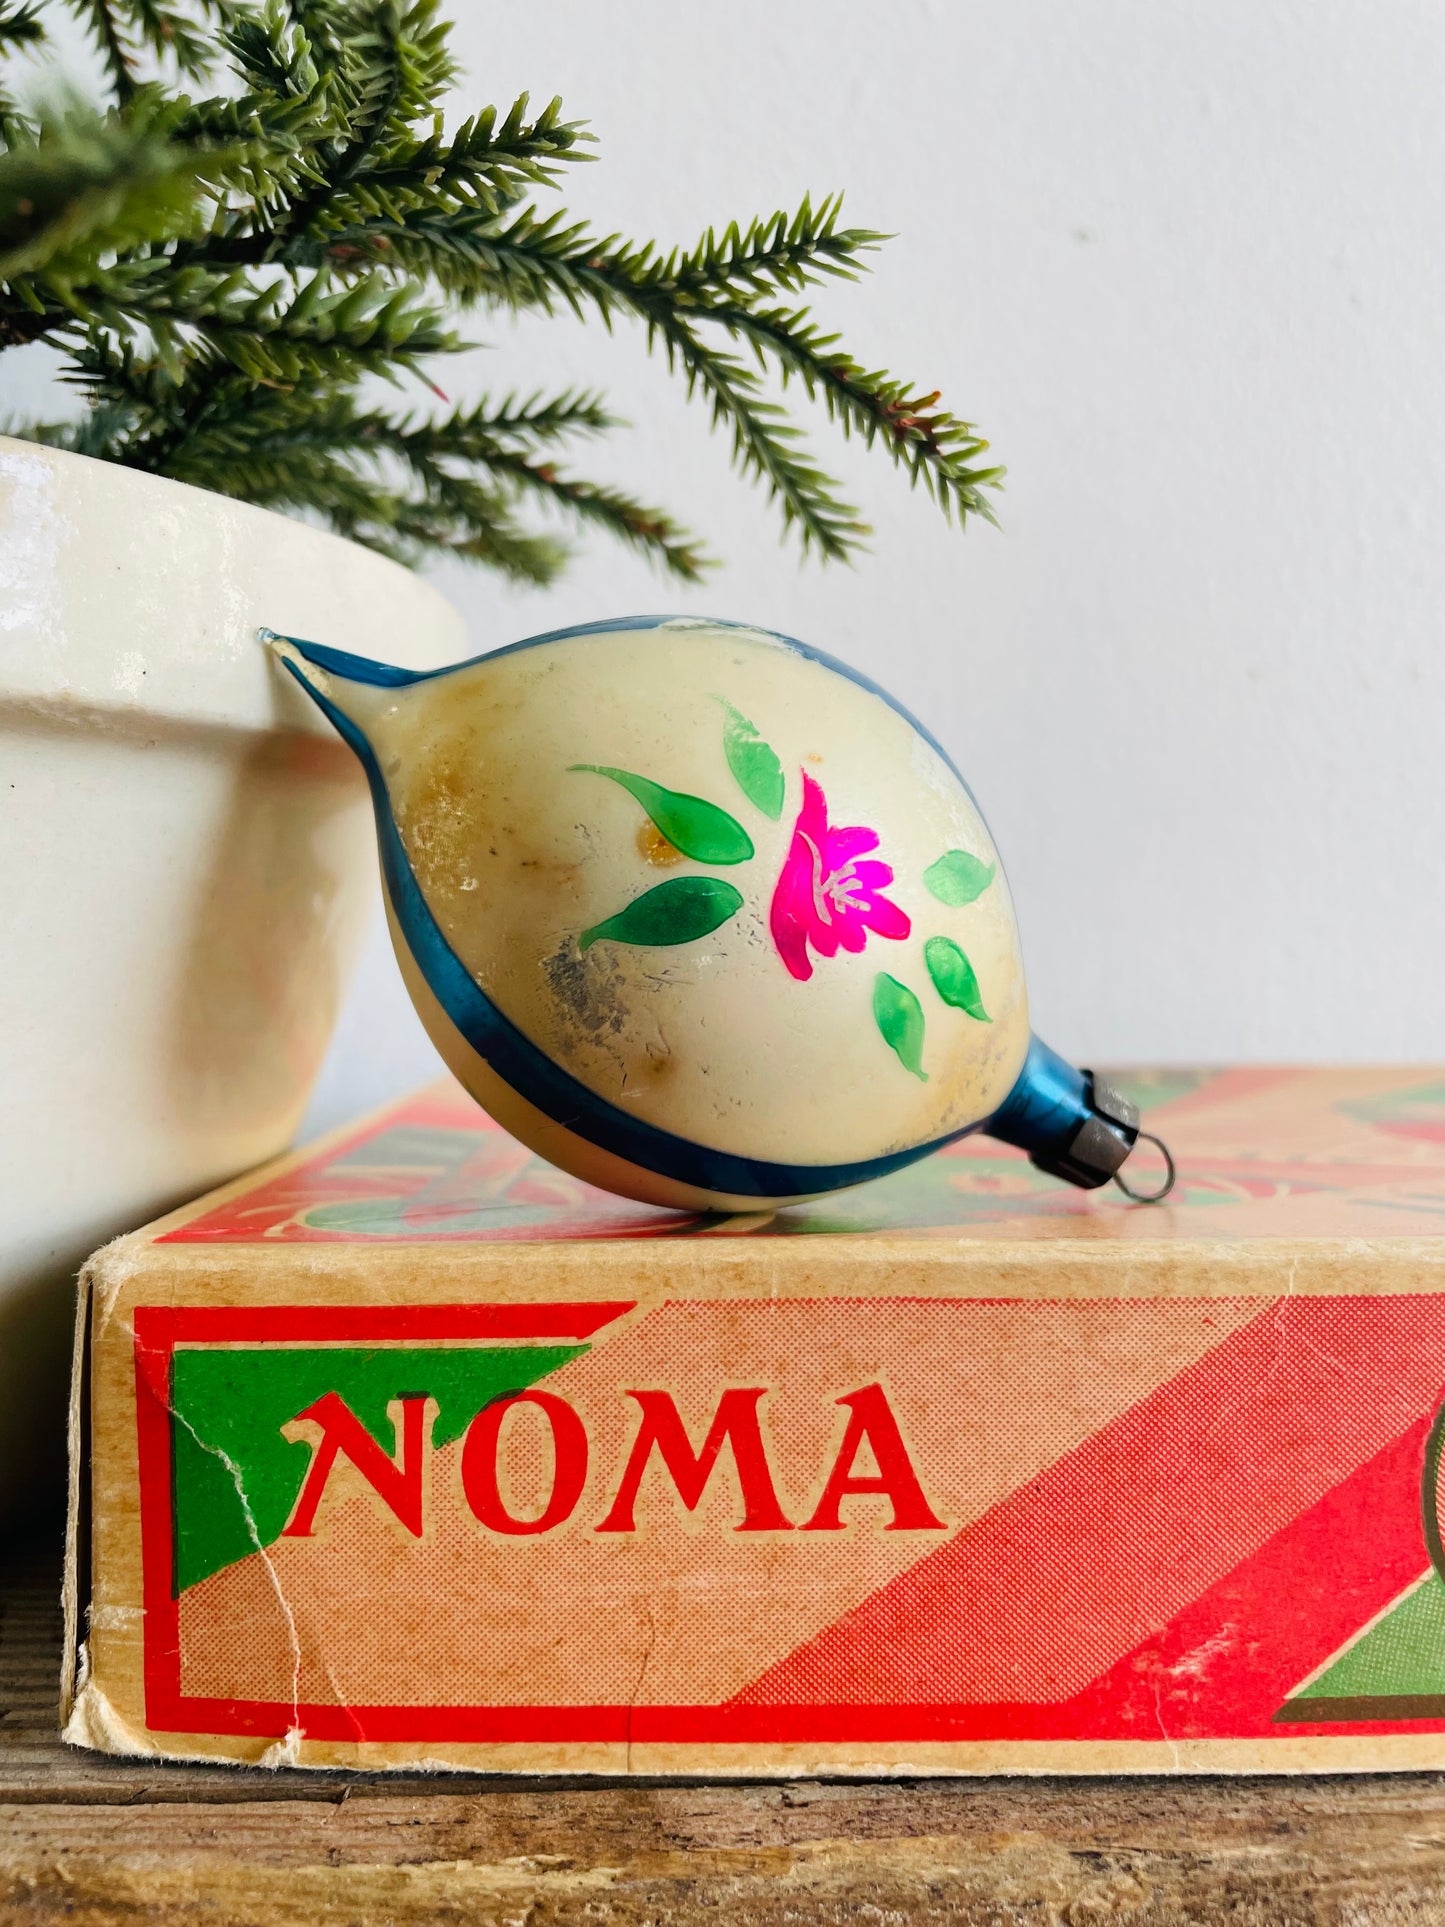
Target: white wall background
[1185, 264]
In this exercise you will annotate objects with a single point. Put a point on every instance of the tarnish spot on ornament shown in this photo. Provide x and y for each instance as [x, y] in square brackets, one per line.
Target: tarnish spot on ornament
[957, 878]
[662, 1065]
[899, 1017]
[434, 818]
[954, 977]
[590, 1002]
[678, 911]
[654, 847]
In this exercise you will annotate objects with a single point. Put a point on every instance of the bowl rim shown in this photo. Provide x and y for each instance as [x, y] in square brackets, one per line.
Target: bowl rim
[95, 558]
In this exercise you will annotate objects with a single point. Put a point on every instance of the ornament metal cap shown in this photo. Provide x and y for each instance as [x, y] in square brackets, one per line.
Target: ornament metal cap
[1074, 1125]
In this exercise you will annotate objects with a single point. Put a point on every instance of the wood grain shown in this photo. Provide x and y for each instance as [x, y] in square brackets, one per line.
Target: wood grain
[91, 1840]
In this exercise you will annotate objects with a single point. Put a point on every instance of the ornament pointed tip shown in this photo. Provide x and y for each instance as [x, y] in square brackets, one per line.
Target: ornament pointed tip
[293, 657]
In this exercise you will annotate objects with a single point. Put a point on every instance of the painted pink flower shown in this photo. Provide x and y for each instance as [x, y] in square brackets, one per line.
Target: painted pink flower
[825, 895]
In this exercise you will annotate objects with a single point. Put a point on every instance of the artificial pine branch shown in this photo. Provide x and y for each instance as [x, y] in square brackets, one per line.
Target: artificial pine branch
[20, 25]
[934, 446]
[776, 253]
[76, 188]
[21, 29]
[100, 21]
[502, 440]
[221, 271]
[537, 420]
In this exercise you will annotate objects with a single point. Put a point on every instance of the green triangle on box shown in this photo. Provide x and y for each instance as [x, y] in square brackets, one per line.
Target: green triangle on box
[236, 1479]
[1402, 1656]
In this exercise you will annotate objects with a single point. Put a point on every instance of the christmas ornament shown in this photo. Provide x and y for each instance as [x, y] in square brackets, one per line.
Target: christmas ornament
[702, 915]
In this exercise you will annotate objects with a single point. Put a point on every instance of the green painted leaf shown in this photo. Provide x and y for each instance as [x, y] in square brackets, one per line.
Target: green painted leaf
[696, 827]
[753, 762]
[899, 1016]
[954, 977]
[678, 911]
[957, 878]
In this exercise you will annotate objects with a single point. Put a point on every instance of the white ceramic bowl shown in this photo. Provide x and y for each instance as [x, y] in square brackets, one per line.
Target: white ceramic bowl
[186, 859]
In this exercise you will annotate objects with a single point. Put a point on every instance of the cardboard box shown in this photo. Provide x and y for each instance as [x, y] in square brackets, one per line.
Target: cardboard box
[411, 1451]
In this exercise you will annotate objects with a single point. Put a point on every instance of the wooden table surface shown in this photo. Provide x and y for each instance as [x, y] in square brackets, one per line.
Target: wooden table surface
[90, 1840]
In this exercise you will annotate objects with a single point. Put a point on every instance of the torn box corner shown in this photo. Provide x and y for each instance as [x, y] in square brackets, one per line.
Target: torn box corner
[94, 1722]
[107, 1272]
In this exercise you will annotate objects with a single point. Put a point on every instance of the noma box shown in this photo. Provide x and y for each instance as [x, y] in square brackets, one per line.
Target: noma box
[411, 1451]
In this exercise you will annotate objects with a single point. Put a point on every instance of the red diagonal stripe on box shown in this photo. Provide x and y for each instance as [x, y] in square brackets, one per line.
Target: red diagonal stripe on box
[1058, 1582]
[1225, 1665]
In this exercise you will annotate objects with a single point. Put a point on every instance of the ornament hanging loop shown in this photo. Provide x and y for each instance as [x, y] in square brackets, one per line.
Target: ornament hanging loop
[1150, 1197]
